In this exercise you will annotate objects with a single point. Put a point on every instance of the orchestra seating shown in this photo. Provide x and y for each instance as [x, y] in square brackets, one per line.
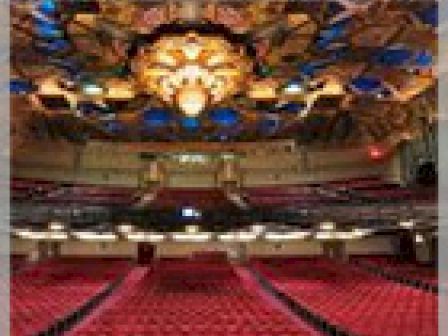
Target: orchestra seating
[352, 299]
[49, 291]
[189, 297]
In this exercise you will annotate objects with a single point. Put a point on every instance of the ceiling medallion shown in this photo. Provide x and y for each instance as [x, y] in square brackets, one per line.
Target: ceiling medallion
[192, 72]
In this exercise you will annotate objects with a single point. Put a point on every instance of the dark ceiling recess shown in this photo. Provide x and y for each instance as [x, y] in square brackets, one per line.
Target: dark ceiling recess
[57, 102]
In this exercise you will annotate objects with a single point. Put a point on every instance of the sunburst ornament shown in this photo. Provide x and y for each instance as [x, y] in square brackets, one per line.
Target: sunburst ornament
[192, 72]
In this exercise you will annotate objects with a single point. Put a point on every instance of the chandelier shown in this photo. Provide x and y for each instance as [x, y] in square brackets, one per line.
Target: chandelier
[192, 72]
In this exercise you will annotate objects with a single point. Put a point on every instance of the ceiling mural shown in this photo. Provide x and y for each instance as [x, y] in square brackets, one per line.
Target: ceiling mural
[329, 72]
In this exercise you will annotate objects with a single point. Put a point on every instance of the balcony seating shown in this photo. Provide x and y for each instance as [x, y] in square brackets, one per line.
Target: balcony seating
[58, 192]
[391, 265]
[340, 191]
[352, 299]
[46, 293]
[191, 298]
[200, 198]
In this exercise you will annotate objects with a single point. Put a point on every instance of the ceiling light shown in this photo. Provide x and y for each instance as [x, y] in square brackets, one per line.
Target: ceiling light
[56, 226]
[41, 235]
[258, 228]
[191, 229]
[146, 237]
[327, 226]
[191, 71]
[323, 235]
[360, 232]
[95, 236]
[192, 101]
[237, 236]
[419, 238]
[273, 236]
[293, 88]
[92, 89]
[333, 235]
[345, 235]
[407, 224]
[192, 237]
[125, 228]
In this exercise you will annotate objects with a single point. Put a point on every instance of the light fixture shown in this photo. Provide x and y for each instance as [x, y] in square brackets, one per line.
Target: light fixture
[335, 235]
[419, 238]
[146, 237]
[192, 237]
[237, 237]
[95, 236]
[125, 228]
[92, 89]
[116, 89]
[258, 228]
[324, 235]
[191, 71]
[360, 232]
[56, 226]
[41, 235]
[191, 229]
[293, 88]
[345, 235]
[275, 236]
[192, 100]
[407, 224]
[327, 226]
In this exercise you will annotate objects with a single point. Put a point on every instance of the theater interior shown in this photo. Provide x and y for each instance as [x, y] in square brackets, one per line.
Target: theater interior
[224, 168]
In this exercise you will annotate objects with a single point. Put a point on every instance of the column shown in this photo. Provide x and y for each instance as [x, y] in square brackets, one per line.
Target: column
[229, 174]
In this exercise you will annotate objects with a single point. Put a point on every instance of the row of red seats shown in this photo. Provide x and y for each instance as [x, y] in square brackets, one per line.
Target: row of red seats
[352, 299]
[373, 187]
[191, 298]
[51, 290]
[406, 270]
[51, 192]
[18, 261]
[197, 197]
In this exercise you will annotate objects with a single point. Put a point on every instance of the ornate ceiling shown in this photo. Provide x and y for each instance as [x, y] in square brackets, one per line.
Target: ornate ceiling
[323, 72]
